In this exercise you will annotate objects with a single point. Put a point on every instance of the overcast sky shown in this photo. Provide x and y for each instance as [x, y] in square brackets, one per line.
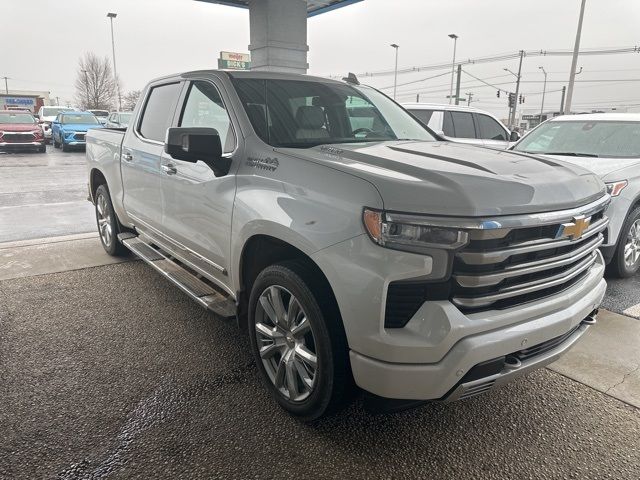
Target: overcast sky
[43, 40]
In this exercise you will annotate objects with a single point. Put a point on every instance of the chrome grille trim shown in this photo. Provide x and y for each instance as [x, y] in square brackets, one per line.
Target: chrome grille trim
[498, 256]
[494, 278]
[527, 287]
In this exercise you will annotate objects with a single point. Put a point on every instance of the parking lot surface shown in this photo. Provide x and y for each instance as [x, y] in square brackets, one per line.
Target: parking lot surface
[111, 372]
[43, 195]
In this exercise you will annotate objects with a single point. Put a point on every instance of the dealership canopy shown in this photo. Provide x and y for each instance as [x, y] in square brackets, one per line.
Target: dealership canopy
[279, 30]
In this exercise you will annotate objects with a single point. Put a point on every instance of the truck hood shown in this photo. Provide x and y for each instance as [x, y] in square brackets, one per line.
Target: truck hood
[600, 166]
[18, 127]
[443, 178]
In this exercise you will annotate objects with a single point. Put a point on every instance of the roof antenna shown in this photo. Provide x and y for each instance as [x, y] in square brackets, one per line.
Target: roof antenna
[351, 78]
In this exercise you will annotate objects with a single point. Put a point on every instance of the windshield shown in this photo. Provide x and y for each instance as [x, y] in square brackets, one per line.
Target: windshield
[124, 118]
[100, 113]
[52, 112]
[302, 113]
[16, 118]
[601, 138]
[79, 118]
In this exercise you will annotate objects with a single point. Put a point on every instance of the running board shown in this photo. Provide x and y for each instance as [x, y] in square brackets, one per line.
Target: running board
[196, 288]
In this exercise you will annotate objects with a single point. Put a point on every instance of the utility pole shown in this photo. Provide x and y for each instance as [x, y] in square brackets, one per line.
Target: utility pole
[417, 98]
[111, 16]
[574, 61]
[395, 72]
[544, 90]
[469, 96]
[564, 91]
[57, 100]
[458, 85]
[513, 120]
[453, 63]
[6, 85]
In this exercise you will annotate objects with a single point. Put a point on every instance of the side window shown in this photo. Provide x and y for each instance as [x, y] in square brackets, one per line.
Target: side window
[158, 111]
[204, 108]
[463, 125]
[447, 125]
[424, 116]
[490, 129]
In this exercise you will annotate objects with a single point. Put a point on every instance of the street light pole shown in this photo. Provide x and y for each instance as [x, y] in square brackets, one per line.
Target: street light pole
[574, 61]
[111, 16]
[544, 90]
[453, 64]
[395, 72]
[6, 85]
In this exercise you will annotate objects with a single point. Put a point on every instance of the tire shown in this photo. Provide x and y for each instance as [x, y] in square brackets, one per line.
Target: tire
[107, 222]
[622, 266]
[42, 149]
[55, 144]
[63, 146]
[332, 382]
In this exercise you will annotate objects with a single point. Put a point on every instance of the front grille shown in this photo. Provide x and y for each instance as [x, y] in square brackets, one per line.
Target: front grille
[79, 136]
[503, 268]
[523, 265]
[10, 137]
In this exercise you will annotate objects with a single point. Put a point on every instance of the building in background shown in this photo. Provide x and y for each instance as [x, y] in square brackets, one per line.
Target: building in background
[29, 100]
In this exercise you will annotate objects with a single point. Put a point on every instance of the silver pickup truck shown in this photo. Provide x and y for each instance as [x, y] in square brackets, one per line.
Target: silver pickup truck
[355, 247]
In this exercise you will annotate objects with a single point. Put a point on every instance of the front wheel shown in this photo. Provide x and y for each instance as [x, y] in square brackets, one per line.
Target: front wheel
[626, 260]
[298, 340]
[107, 223]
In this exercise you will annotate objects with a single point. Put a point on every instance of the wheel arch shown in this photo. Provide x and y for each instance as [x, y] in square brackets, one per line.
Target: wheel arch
[96, 178]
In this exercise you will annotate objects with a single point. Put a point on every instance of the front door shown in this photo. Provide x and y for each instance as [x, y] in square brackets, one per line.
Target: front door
[197, 204]
[141, 154]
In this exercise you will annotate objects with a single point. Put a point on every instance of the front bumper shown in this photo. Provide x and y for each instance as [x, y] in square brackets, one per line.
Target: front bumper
[22, 145]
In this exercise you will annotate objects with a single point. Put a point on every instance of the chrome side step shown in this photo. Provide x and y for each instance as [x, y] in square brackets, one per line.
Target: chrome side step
[202, 292]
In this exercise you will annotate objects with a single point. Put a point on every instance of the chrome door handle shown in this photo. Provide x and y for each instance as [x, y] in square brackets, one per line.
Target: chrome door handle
[169, 169]
[127, 157]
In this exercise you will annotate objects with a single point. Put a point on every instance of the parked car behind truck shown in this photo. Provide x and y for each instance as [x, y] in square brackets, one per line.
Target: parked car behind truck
[609, 145]
[20, 131]
[69, 129]
[376, 255]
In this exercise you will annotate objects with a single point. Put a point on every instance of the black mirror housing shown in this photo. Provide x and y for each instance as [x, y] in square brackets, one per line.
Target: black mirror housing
[514, 137]
[193, 144]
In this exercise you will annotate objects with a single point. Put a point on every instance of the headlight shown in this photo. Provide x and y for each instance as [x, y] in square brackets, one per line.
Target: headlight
[410, 237]
[615, 188]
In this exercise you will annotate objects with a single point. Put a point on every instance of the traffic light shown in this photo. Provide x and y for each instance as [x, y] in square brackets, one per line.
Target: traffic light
[521, 99]
[498, 94]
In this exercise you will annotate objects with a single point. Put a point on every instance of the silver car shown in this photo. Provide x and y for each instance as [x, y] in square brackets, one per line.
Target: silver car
[609, 145]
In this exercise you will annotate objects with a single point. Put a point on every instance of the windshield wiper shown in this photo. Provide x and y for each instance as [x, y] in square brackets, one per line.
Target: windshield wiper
[568, 154]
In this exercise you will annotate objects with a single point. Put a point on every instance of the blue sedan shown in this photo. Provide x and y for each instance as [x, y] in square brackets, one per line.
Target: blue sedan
[69, 129]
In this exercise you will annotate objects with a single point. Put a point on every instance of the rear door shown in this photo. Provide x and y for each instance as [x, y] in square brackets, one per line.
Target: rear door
[492, 132]
[197, 204]
[142, 152]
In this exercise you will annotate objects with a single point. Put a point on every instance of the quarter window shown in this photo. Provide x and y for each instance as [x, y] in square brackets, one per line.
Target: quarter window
[204, 108]
[158, 112]
[490, 129]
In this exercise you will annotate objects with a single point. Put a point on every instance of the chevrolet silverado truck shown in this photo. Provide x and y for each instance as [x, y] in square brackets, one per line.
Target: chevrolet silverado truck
[354, 246]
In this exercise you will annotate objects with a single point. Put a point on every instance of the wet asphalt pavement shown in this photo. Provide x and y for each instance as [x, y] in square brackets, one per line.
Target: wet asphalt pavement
[111, 372]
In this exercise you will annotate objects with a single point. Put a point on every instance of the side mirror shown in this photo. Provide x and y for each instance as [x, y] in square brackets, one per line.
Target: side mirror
[192, 144]
[514, 137]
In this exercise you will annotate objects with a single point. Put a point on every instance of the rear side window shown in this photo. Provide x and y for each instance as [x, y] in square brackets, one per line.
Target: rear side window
[490, 129]
[423, 115]
[158, 111]
[447, 125]
[463, 125]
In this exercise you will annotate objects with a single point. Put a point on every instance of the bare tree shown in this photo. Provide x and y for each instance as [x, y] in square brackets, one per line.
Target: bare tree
[130, 99]
[96, 87]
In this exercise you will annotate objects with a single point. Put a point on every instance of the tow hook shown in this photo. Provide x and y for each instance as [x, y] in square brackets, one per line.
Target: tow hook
[591, 318]
[512, 363]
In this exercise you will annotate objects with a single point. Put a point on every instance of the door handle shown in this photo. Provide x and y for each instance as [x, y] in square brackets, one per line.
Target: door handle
[169, 169]
[127, 157]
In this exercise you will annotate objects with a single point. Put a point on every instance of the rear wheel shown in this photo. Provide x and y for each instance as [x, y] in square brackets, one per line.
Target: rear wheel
[108, 226]
[626, 260]
[298, 340]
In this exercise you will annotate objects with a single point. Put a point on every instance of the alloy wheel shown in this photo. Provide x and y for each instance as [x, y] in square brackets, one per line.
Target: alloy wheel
[632, 247]
[104, 220]
[286, 343]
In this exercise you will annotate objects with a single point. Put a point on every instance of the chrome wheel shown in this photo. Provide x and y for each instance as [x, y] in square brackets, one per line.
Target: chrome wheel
[632, 247]
[286, 343]
[104, 220]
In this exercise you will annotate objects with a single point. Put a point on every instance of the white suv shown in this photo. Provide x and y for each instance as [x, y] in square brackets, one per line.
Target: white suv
[463, 124]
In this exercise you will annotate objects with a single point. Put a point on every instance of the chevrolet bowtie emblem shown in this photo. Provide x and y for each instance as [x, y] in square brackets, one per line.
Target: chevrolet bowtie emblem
[574, 229]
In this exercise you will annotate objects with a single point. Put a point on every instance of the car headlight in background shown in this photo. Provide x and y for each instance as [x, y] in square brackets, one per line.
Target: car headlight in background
[615, 188]
[410, 237]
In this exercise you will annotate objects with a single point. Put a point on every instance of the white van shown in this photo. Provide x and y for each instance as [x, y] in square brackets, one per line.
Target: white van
[463, 124]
